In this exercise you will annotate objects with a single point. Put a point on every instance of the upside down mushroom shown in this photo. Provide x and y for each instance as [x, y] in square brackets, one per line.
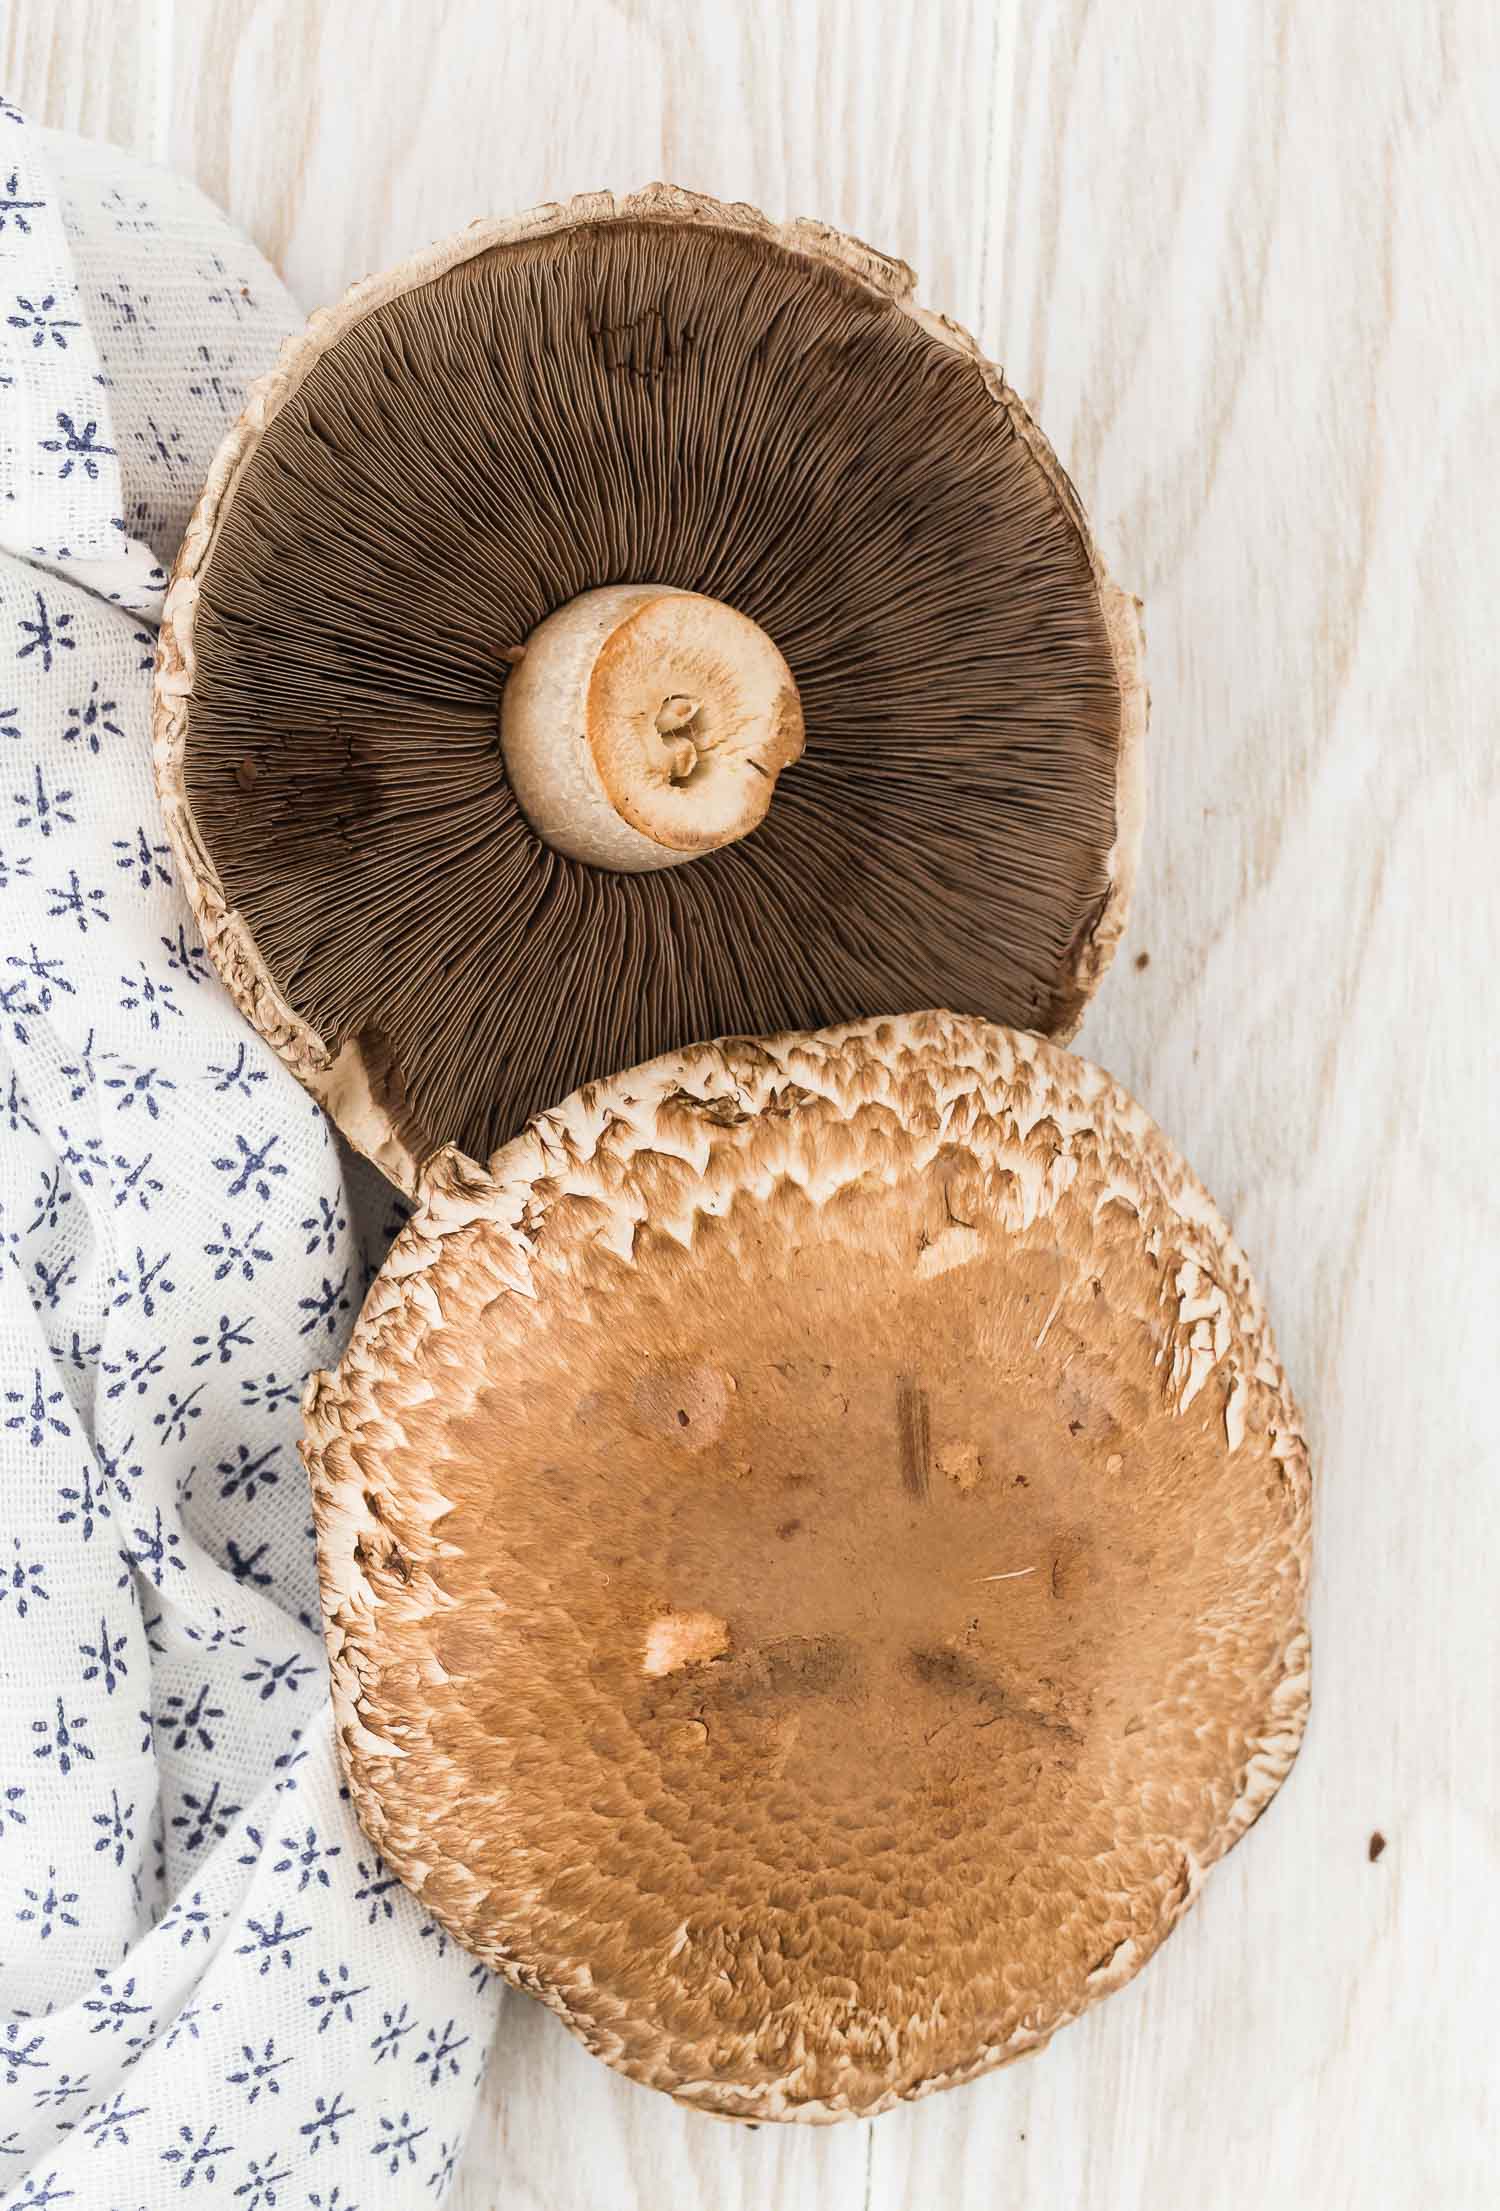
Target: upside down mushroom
[814, 1546]
[630, 623]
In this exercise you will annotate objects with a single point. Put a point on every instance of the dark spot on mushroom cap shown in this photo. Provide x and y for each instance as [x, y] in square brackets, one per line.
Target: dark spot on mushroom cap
[1143, 959]
[1377, 1845]
[686, 405]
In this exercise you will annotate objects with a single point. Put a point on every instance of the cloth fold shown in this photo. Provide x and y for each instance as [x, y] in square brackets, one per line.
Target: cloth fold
[208, 1979]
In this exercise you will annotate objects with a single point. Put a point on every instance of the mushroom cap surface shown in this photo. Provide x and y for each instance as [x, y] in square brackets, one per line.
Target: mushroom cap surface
[651, 389]
[814, 1548]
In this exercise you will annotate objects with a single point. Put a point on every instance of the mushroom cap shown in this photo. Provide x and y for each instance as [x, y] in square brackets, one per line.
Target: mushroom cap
[813, 1551]
[646, 389]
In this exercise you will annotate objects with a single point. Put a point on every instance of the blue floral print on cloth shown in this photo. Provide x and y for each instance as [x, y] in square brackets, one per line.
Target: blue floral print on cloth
[208, 1980]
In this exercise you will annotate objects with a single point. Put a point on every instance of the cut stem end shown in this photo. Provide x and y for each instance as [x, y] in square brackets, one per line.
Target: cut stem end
[644, 725]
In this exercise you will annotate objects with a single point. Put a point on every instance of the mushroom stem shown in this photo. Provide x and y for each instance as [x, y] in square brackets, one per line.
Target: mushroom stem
[644, 725]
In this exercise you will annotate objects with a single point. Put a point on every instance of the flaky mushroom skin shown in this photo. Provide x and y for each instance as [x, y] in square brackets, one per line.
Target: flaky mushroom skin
[361, 1093]
[894, 1386]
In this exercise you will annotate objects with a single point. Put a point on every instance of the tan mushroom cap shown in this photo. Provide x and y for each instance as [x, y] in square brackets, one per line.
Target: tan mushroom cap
[813, 1552]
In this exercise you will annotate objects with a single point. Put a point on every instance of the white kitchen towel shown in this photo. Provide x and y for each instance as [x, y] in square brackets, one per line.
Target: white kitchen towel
[208, 1981]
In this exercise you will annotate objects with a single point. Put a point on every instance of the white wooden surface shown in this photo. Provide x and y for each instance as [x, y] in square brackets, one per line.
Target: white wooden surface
[1241, 259]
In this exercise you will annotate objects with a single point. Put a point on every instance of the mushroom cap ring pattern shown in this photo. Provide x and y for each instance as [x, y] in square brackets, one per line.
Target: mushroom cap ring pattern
[814, 1551]
[652, 390]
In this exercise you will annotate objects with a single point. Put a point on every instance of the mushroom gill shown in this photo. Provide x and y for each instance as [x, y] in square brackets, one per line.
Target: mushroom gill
[651, 391]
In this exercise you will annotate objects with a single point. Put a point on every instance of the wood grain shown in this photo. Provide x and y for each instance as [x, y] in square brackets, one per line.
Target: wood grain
[81, 65]
[477, 110]
[1240, 259]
